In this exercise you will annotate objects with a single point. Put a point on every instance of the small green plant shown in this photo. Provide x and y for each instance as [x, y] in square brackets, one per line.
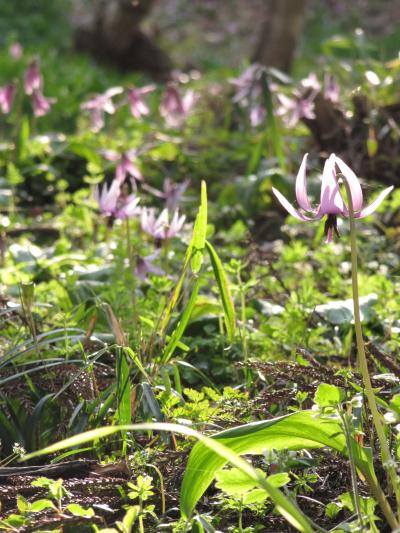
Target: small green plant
[243, 493]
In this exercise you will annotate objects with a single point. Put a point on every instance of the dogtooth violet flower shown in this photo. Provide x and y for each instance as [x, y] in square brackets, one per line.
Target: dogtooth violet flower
[100, 104]
[7, 94]
[145, 265]
[136, 101]
[125, 166]
[113, 203]
[161, 227]
[331, 201]
[33, 78]
[41, 105]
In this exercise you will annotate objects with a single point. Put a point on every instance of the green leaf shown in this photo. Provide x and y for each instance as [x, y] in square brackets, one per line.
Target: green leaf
[328, 395]
[279, 480]
[254, 496]
[234, 482]
[40, 505]
[200, 231]
[77, 510]
[22, 504]
[224, 291]
[291, 432]
[124, 409]
[332, 509]
[283, 505]
[14, 177]
[183, 322]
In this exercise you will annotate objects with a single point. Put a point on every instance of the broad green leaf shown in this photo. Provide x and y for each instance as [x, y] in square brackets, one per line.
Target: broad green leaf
[234, 482]
[77, 510]
[40, 505]
[301, 430]
[177, 291]
[224, 291]
[183, 322]
[254, 496]
[200, 231]
[283, 505]
[328, 395]
[22, 504]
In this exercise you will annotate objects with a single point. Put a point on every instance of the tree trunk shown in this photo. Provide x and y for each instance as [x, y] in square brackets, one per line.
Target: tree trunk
[280, 33]
[110, 31]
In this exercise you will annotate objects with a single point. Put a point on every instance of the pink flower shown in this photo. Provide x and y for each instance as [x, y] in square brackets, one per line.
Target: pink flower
[127, 207]
[331, 88]
[16, 51]
[113, 203]
[7, 94]
[144, 266]
[331, 201]
[125, 166]
[248, 83]
[161, 228]
[172, 193]
[311, 82]
[173, 107]
[33, 78]
[136, 101]
[296, 108]
[107, 197]
[100, 104]
[257, 115]
[41, 105]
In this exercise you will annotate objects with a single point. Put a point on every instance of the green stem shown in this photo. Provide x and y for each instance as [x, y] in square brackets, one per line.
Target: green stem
[347, 433]
[244, 330]
[363, 366]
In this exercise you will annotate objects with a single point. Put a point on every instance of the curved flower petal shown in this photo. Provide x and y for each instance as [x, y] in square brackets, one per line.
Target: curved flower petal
[301, 186]
[354, 184]
[288, 206]
[331, 199]
[375, 204]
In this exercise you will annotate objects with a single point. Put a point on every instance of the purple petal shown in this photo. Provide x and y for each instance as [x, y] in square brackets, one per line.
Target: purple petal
[301, 186]
[331, 200]
[288, 206]
[354, 184]
[375, 204]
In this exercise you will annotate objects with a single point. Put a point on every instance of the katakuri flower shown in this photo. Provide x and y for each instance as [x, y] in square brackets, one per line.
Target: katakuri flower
[7, 94]
[33, 78]
[145, 265]
[41, 105]
[331, 201]
[161, 227]
[172, 193]
[16, 51]
[126, 166]
[114, 203]
[137, 104]
[100, 104]
[174, 108]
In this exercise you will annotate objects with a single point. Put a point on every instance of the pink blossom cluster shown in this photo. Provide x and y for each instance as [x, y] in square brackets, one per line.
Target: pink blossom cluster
[33, 87]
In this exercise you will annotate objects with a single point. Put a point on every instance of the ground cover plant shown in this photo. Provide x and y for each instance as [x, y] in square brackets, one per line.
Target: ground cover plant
[199, 277]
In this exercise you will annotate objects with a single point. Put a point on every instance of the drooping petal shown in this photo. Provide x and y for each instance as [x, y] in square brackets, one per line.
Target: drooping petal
[331, 199]
[354, 184]
[301, 186]
[375, 204]
[288, 206]
[329, 236]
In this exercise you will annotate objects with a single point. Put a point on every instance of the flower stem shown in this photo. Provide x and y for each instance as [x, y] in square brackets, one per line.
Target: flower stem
[387, 461]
